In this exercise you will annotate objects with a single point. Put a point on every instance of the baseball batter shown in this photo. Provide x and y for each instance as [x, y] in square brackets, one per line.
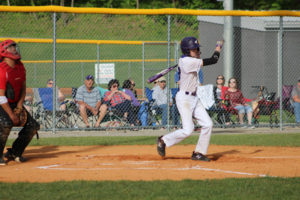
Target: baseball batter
[187, 101]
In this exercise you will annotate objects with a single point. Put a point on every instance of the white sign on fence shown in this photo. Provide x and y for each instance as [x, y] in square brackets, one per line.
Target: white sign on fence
[104, 72]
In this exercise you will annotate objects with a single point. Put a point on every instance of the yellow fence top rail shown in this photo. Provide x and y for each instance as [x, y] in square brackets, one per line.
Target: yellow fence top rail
[94, 61]
[164, 11]
[68, 41]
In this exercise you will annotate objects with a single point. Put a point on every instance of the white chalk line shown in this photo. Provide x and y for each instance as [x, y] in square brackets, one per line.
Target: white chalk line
[277, 157]
[197, 167]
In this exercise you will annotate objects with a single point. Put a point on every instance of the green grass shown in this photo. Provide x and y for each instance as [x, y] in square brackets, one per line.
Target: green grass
[256, 188]
[280, 139]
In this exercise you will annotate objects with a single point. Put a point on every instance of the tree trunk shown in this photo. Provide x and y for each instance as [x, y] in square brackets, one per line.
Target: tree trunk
[137, 4]
[174, 3]
[72, 5]
[175, 17]
[34, 14]
[8, 3]
[63, 15]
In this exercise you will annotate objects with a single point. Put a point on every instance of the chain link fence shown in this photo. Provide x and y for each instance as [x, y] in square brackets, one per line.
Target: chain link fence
[135, 47]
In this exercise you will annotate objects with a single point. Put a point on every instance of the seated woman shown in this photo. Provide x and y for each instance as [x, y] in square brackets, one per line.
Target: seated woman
[116, 99]
[236, 100]
[222, 114]
[127, 87]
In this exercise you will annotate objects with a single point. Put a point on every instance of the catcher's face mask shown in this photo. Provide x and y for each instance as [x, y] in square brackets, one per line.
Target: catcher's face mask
[9, 49]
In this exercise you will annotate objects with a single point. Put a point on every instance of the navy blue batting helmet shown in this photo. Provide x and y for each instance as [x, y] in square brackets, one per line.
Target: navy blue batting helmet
[187, 44]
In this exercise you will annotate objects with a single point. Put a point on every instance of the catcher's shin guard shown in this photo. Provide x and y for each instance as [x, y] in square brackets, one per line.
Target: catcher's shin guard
[25, 135]
[4, 133]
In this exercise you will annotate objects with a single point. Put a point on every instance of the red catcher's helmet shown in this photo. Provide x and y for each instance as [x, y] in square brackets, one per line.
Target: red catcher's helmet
[5, 54]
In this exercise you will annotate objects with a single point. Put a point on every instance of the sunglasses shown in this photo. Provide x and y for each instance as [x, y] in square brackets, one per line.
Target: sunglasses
[133, 84]
[163, 81]
[50, 83]
[114, 86]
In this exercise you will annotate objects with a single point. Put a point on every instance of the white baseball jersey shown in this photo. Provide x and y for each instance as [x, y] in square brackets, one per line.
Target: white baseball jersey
[188, 71]
[189, 106]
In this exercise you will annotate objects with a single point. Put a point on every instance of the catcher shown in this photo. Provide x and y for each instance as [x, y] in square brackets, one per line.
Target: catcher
[12, 95]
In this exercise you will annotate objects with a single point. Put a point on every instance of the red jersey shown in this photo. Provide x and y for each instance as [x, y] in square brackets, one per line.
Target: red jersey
[15, 76]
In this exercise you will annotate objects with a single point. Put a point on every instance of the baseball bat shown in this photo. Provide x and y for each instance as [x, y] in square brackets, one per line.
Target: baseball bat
[160, 74]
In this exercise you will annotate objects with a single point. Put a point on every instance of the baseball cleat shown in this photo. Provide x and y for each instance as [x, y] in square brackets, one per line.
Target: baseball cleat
[161, 147]
[199, 156]
[10, 156]
[2, 161]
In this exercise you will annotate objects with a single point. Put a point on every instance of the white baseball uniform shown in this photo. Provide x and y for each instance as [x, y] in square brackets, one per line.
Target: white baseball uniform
[189, 105]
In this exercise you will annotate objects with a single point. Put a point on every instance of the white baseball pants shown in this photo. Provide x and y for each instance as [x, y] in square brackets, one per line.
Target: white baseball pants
[189, 106]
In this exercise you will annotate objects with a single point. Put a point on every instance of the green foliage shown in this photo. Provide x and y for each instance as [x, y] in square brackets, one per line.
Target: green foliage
[149, 4]
[255, 188]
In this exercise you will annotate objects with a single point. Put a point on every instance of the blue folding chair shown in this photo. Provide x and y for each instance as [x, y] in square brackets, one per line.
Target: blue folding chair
[43, 109]
[147, 115]
[174, 111]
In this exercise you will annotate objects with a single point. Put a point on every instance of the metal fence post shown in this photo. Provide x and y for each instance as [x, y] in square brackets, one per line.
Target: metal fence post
[143, 68]
[98, 62]
[54, 75]
[280, 69]
[168, 85]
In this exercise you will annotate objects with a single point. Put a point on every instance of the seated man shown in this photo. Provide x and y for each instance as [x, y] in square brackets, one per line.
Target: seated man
[89, 100]
[160, 99]
[116, 99]
[61, 96]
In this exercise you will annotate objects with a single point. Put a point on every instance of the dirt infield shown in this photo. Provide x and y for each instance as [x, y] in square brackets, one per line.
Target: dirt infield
[137, 162]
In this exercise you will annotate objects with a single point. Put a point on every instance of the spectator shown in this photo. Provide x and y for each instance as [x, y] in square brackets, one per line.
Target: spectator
[296, 101]
[222, 114]
[128, 89]
[61, 96]
[132, 87]
[117, 99]
[89, 100]
[160, 99]
[237, 101]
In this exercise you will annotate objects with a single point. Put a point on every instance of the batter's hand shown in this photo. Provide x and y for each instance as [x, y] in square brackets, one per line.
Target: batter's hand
[220, 43]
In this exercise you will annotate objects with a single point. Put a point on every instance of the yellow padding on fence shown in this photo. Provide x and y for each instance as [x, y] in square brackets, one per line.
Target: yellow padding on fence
[95, 61]
[67, 41]
[164, 11]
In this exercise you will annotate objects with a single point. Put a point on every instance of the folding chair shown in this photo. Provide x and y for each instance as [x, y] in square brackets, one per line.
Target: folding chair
[228, 106]
[43, 109]
[174, 111]
[286, 103]
[147, 115]
[115, 117]
[266, 106]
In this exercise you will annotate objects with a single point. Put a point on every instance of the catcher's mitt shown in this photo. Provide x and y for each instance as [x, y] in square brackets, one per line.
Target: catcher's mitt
[22, 114]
